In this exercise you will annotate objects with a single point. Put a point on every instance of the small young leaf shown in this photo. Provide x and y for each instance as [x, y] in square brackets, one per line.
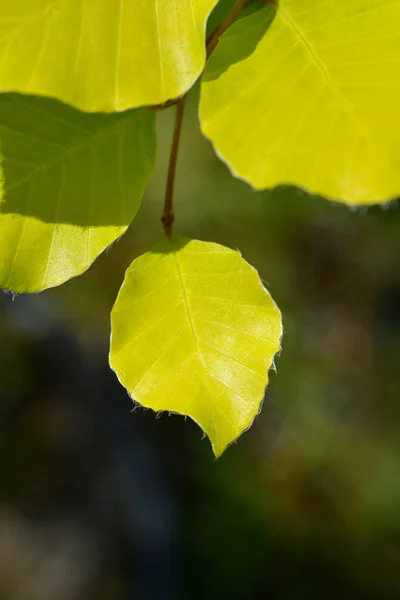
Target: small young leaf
[70, 184]
[307, 93]
[194, 332]
[102, 55]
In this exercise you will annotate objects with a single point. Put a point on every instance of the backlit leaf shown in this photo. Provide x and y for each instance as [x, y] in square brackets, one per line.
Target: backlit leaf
[194, 332]
[70, 184]
[102, 55]
[308, 93]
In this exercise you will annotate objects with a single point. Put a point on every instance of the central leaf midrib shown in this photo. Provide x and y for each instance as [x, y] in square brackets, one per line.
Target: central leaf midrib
[296, 28]
[186, 301]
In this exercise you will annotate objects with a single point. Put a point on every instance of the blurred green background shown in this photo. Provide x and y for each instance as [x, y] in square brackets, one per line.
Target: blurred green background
[99, 502]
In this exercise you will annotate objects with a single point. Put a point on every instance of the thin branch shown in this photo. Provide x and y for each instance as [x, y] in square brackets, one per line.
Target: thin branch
[213, 40]
[168, 214]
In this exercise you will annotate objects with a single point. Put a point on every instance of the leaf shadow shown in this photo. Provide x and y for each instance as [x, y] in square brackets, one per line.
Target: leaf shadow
[60, 165]
[245, 34]
[166, 246]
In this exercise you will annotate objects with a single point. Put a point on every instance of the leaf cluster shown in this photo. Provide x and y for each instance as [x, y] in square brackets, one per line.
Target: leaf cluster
[292, 92]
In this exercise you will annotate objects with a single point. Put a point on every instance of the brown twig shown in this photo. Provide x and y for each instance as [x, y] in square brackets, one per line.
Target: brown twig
[213, 40]
[168, 214]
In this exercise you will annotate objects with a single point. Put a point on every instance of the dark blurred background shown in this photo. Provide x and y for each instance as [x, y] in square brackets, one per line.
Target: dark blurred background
[99, 502]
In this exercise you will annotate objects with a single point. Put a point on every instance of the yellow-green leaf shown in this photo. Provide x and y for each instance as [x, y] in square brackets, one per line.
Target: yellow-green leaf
[195, 332]
[308, 93]
[102, 55]
[70, 184]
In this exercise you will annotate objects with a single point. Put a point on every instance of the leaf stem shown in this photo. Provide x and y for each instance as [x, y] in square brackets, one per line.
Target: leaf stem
[168, 216]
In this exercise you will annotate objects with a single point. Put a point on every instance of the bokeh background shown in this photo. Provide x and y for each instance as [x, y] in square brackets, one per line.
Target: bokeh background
[99, 502]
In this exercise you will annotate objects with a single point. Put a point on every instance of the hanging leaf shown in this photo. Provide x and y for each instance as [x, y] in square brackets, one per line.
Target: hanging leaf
[102, 56]
[70, 184]
[307, 93]
[194, 332]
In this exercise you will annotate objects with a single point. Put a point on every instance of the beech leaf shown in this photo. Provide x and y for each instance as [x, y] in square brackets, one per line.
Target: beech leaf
[70, 184]
[195, 332]
[102, 55]
[307, 93]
